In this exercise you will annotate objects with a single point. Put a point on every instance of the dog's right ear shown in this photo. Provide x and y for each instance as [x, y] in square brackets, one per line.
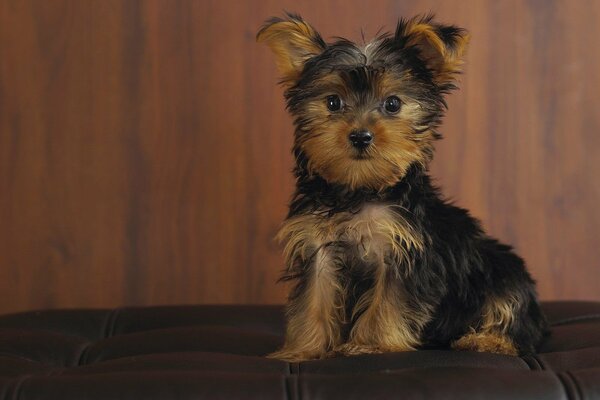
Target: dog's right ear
[441, 47]
[293, 41]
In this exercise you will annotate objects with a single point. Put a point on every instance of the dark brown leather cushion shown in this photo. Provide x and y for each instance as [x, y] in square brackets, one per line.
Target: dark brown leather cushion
[217, 352]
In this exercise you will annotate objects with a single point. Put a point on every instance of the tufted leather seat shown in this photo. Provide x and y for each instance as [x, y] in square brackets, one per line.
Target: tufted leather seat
[216, 352]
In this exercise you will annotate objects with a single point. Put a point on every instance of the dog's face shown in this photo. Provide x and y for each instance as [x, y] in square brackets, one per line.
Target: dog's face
[365, 114]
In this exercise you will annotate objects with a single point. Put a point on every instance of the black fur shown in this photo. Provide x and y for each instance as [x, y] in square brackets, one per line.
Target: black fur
[460, 265]
[458, 268]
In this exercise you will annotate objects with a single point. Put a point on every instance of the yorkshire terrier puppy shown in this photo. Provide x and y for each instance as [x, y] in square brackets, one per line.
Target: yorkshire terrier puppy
[379, 260]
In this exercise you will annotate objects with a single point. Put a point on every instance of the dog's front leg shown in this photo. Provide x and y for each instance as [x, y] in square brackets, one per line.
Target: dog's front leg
[315, 310]
[385, 323]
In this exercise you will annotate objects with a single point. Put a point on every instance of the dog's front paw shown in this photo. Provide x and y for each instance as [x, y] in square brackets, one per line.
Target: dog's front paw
[290, 355]
[353, 349]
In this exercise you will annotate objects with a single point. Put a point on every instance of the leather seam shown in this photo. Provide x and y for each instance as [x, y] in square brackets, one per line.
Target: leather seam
[82, 360]
[21, 357]
[109, 329]
[17, 388]
[298, 383]
[286, 378]
[575, 319]
[286, 387]
[292, 388]
[532, 362]
[576, 384]
[539, 363]
[568, 386]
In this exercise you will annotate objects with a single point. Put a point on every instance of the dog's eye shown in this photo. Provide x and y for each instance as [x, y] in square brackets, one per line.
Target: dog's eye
[334, 103]
[392, 104]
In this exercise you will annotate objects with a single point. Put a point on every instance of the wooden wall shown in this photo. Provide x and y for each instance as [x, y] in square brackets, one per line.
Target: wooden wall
[144, 146]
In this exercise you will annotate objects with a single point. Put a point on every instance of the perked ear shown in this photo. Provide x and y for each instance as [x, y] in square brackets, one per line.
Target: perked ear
[441, 47]
[293, 41]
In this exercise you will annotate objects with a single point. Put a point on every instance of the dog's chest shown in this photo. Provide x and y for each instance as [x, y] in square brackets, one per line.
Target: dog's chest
[376, 231]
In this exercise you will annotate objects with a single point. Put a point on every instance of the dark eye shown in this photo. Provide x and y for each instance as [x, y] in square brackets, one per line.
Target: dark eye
[392, 104]
[334, 103]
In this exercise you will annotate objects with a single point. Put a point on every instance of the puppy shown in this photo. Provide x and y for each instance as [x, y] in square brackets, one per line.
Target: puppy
[379, 260]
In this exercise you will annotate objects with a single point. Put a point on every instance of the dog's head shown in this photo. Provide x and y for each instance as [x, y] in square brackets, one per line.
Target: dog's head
[365, 113]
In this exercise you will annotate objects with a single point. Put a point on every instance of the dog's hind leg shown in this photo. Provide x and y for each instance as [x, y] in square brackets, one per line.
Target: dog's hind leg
[491, 333]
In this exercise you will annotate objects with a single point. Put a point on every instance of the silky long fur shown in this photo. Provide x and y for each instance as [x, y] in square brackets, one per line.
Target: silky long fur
[379, 260]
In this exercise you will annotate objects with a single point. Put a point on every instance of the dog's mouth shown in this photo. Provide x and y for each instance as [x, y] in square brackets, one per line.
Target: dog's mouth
[361, 155]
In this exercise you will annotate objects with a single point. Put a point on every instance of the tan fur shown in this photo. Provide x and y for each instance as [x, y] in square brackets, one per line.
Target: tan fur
[325, 140]
[386, 323]
[486, 342]
[394, 149]
[377, 229]
[383, 321]
[292, 42]
[315, 319]
[498, 314]
[445, 62]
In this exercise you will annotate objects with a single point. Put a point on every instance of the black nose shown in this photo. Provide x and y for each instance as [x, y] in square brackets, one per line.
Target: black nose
[361, 139]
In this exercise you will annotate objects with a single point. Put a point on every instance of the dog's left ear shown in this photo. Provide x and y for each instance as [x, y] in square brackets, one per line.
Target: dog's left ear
[293, 41]
[441, 47]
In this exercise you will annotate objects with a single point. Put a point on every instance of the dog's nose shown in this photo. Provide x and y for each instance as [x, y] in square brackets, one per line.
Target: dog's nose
[361, 138]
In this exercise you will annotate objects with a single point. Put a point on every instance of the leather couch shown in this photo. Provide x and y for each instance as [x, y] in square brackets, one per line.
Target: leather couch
[216, 352]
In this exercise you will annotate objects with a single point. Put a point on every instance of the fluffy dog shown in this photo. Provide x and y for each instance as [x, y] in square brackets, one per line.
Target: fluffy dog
[379, 260]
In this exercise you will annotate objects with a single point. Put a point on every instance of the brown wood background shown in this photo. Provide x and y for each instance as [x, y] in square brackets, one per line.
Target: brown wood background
[144, 147]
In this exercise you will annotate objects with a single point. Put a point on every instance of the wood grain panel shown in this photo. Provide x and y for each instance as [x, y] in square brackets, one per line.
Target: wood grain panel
[144, 146]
